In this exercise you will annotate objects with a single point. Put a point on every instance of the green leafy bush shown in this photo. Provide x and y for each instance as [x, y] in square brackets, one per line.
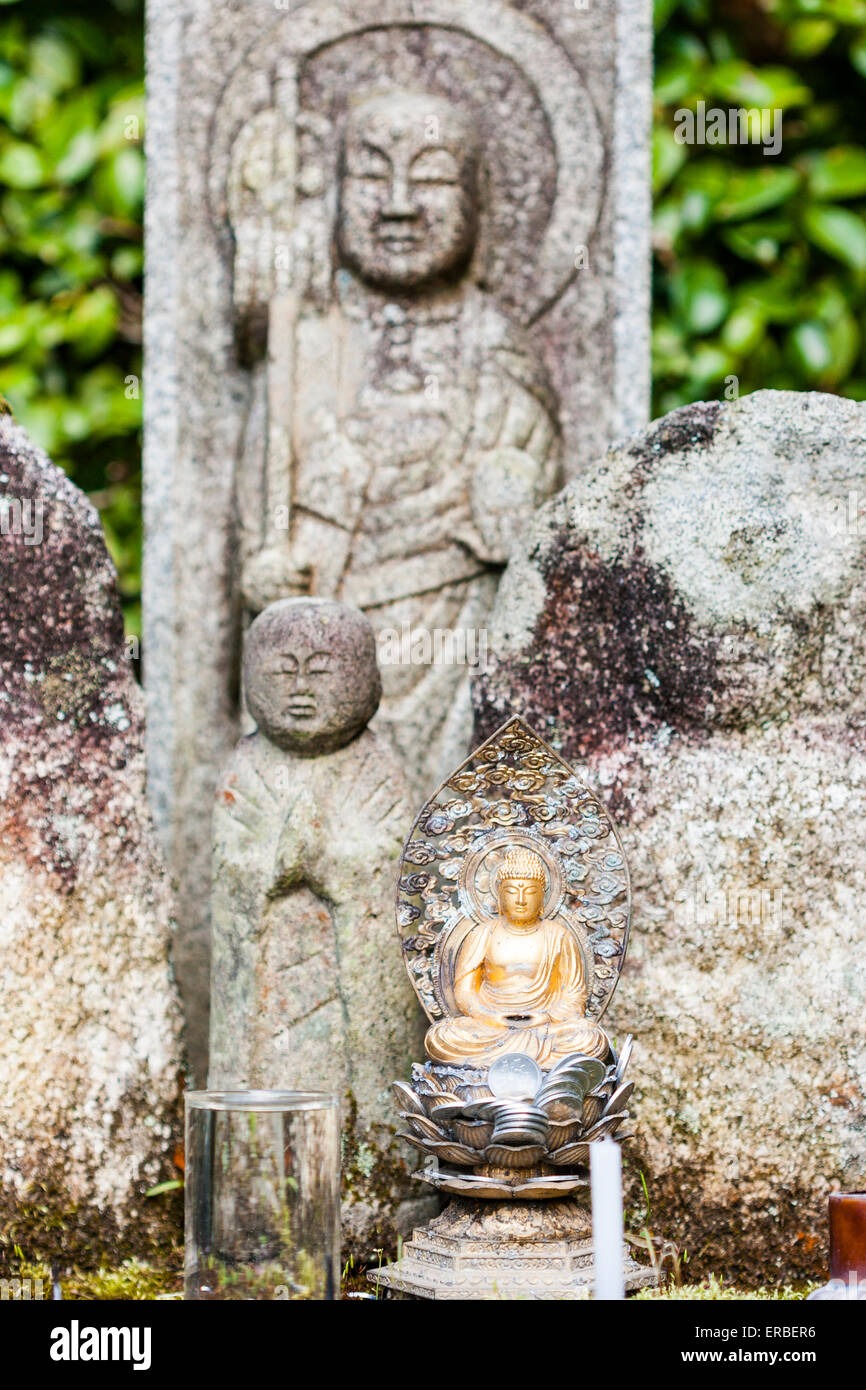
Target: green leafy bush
[760, 261]
[71, 189]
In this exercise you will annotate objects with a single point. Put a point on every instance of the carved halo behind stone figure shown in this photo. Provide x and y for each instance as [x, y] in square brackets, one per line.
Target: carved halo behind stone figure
[401, 425]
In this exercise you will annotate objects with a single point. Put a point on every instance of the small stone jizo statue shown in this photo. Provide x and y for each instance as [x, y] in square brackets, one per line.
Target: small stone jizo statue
[306, 989]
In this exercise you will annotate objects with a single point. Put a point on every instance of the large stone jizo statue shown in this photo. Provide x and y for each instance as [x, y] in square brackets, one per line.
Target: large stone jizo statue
[402, 429]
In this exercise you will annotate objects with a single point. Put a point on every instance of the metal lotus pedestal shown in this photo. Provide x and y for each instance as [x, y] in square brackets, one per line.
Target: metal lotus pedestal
[517, 1226]
[513, 907]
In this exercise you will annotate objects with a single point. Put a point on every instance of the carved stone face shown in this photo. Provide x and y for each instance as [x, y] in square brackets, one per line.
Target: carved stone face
[520, 900]
[408, 209]
[310, 674]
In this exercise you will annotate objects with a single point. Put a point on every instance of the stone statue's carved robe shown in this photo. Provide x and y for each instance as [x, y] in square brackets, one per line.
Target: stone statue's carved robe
[308, 991]
[538, 1010]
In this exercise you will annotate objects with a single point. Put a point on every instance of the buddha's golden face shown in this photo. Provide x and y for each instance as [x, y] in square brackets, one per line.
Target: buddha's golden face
[520, 900]
[408, 202]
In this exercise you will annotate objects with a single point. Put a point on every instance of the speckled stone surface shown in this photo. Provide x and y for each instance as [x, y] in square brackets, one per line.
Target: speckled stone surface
[688, 626]
[90, 1043]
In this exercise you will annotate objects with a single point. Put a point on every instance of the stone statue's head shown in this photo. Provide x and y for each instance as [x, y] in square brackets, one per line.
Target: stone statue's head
[409, 177]
[310, 674]
[520, 883]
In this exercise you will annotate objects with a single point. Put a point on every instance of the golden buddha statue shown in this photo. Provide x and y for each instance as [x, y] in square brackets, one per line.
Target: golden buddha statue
[517, 980]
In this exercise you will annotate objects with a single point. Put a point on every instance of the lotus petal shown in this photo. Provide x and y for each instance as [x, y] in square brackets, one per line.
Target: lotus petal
[508, 1156]
[431, 1098]
[417, 1143]
[450, 1152]
[451, 1084]
[593, 1109]
[421, 1125]
[476, 1134]
[563, 1132]
[570, 1154]
[474, 1092]
[608, 1125]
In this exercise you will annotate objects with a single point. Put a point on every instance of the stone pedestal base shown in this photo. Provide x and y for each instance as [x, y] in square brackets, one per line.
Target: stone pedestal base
[490, 1250]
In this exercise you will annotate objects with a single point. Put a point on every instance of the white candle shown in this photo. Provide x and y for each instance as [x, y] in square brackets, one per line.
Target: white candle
[607, 1229]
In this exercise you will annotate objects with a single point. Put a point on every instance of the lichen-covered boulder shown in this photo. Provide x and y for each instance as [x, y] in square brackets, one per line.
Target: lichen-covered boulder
[90, 1066]
[688, 626]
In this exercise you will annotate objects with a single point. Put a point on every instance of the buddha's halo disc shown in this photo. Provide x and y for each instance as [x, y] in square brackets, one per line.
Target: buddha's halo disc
[514, 1076]
[477, 882]
[513, 790]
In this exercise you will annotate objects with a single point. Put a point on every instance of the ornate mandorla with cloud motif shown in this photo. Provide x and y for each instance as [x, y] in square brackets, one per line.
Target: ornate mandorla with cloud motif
[513, 909]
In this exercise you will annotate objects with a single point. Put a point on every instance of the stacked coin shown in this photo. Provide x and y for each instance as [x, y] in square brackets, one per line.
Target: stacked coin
[516, 1122]
[571, 1081]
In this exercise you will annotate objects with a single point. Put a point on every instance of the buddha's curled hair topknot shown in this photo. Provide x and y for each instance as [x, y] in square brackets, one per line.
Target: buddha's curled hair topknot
[521, 863]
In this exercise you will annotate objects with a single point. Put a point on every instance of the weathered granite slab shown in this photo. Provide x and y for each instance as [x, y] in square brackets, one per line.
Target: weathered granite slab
[688, 624]
[90, 1057]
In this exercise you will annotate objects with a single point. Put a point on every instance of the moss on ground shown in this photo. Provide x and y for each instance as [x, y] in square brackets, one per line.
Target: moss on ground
[135, 1280]
[131, 1281]
[712, 1289]
[138, 1280]
[44, 1226]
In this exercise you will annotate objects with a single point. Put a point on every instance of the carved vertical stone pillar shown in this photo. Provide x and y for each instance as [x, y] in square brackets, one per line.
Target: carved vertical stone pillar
[398, 287]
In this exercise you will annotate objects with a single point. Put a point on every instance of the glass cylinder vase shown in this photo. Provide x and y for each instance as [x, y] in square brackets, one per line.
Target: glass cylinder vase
[262, 1195]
